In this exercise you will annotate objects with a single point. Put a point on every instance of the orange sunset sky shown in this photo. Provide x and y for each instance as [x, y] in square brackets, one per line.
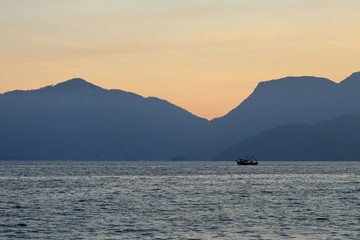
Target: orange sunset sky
[206, 56]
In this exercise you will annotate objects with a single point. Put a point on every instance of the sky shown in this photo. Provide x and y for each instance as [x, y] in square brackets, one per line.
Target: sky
[205, 56]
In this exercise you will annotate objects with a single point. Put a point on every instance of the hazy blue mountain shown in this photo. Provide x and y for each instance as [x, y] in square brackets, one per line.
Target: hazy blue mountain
[284, 101]
[333, 140]
[76, 120]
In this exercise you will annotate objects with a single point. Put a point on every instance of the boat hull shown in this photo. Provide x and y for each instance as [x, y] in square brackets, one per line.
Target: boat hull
[248, 163]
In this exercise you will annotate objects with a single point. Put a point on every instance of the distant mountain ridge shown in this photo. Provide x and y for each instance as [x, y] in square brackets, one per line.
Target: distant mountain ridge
[284, 101]
[332, 140]
[77, 86]
[77, 120]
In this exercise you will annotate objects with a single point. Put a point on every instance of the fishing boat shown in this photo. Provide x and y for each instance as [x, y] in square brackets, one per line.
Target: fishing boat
[248, 160]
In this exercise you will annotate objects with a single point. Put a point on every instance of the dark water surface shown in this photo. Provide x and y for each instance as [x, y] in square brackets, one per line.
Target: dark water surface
[179, 200]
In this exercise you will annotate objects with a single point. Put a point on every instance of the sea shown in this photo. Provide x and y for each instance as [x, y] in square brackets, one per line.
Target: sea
[179, 200]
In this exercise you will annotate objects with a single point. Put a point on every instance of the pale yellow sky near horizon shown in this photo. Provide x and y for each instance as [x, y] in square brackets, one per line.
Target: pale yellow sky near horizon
[206, 56]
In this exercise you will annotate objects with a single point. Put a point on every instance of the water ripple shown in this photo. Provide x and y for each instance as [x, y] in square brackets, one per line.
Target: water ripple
[196, 200]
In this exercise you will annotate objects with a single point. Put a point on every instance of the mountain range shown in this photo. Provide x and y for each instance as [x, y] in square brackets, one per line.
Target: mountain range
[76, 120]
[288, 100]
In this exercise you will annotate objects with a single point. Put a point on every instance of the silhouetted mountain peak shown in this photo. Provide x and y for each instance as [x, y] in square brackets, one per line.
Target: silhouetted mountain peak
[76, 85]
[295, 83]
[284, 89]
[352, 81]
[74, 81]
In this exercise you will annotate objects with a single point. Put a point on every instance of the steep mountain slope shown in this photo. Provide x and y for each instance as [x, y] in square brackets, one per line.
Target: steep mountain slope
[76, 120]
[331, 140]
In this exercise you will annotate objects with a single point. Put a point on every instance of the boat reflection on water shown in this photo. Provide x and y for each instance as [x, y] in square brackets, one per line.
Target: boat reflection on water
[248, 160]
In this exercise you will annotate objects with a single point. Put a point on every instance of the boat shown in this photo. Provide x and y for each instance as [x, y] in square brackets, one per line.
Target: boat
[248, 160]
